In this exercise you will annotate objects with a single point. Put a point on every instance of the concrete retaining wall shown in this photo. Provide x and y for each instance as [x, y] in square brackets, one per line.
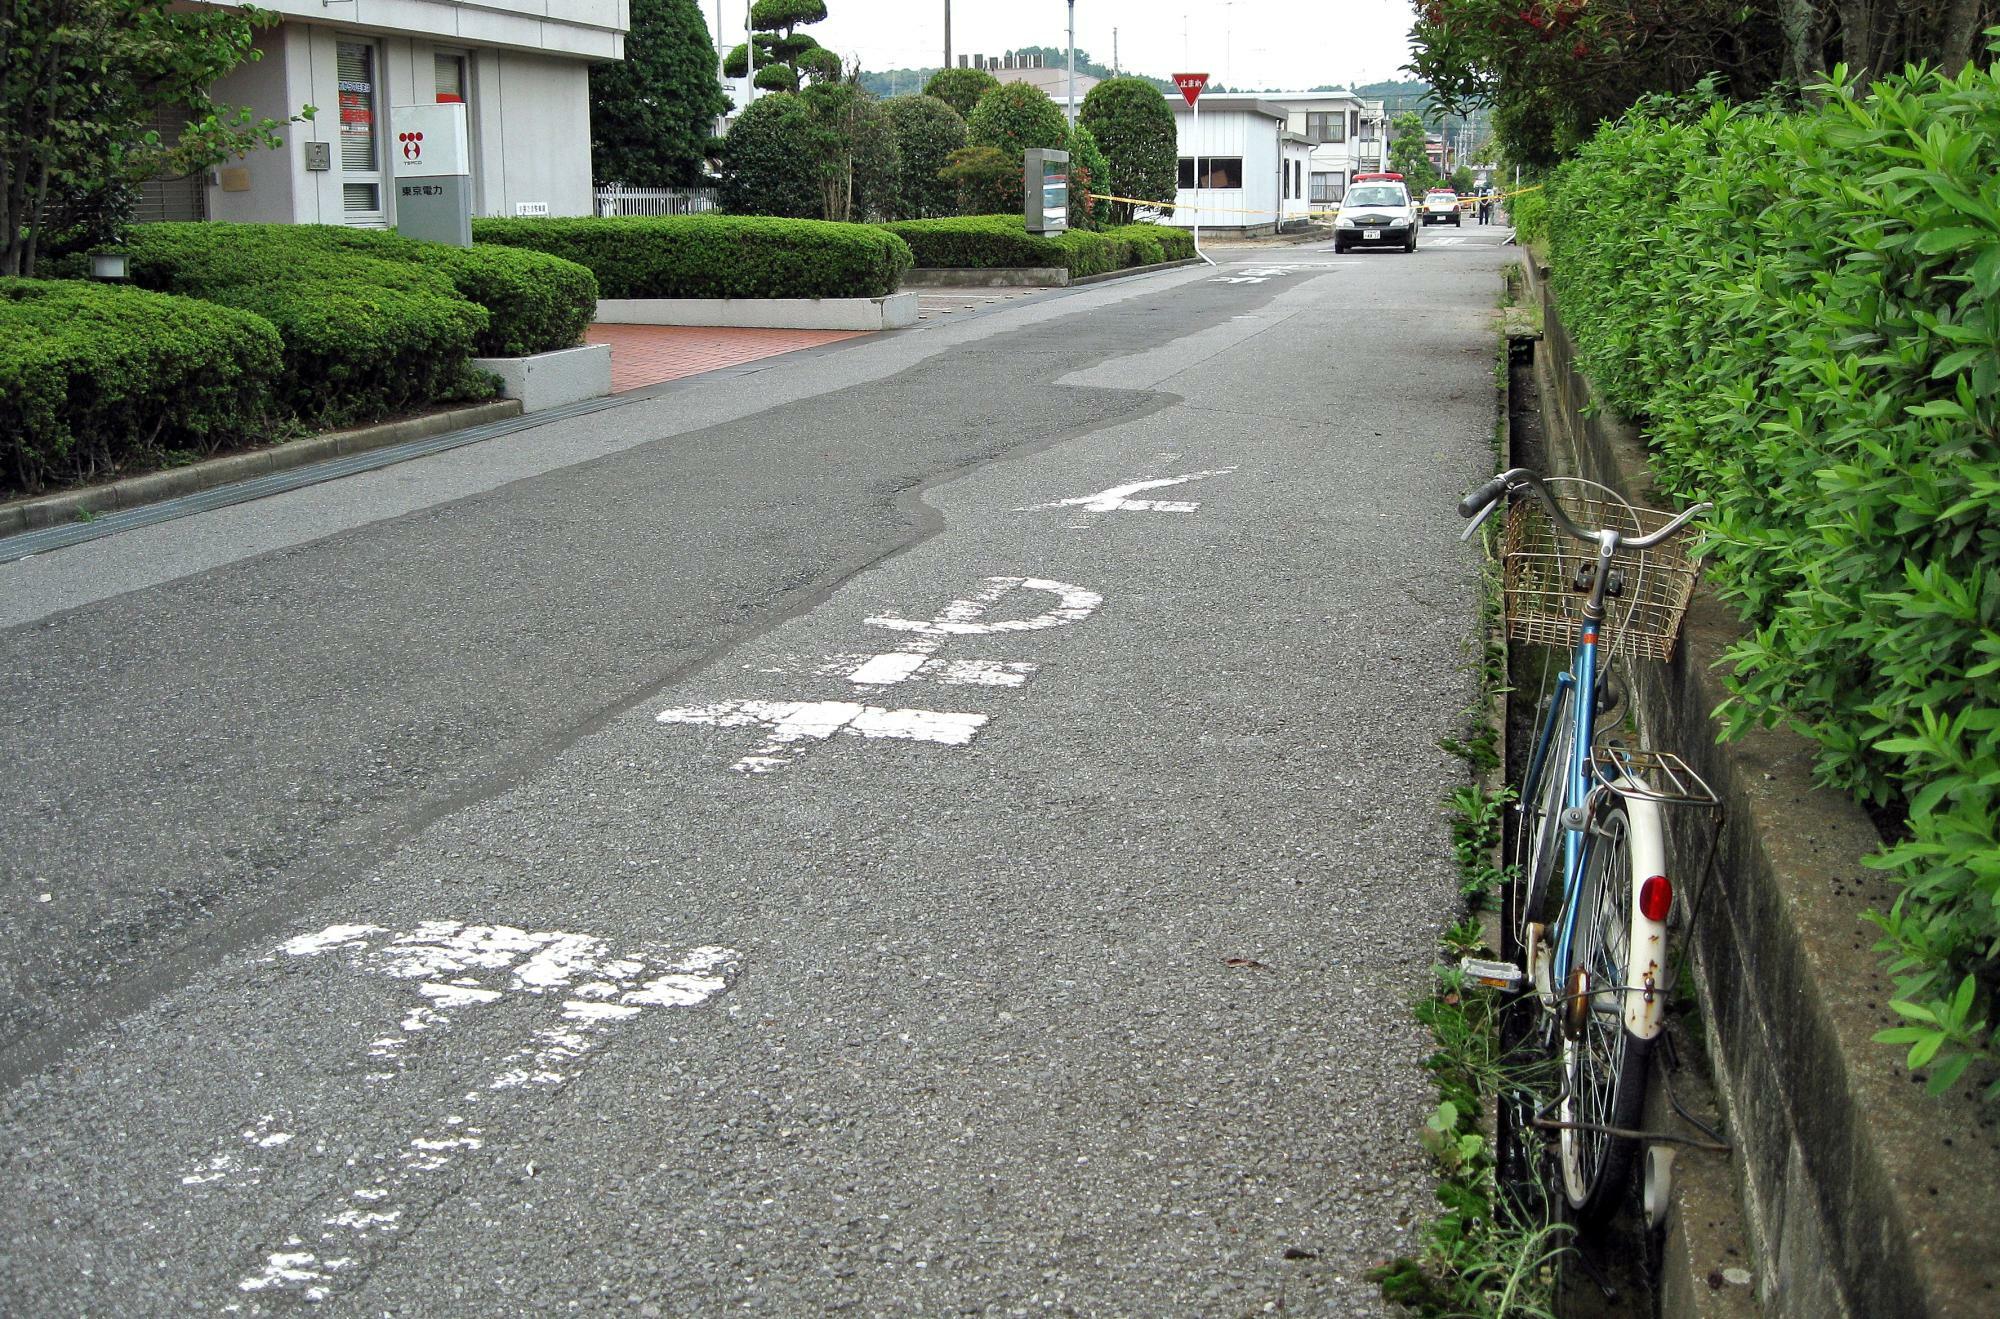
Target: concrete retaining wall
[1864, 1197]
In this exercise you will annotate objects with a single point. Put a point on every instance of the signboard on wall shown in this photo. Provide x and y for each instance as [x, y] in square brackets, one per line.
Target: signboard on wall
[430, 142]
[1045, 190]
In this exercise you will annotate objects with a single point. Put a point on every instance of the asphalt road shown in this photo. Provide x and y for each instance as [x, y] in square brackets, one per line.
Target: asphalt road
[841, 836]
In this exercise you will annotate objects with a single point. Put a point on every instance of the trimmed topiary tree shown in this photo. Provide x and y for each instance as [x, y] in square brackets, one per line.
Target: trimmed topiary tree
[927, 130]
[1134, 127]
[768, 166]
[960, 88]
[786, 57]
[1015, 116]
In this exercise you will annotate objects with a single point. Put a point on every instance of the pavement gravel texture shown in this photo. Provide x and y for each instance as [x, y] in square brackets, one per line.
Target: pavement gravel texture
[1104, 1010]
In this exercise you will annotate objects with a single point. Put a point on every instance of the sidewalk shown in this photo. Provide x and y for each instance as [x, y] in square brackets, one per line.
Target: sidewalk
[643, 355]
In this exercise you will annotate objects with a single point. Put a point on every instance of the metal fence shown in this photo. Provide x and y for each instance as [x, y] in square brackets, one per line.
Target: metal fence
[615, 200]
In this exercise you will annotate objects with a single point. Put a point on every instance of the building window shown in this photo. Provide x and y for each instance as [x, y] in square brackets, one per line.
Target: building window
[360, 167]
[1328, 186]
[1330, 126]
[450, 71]
[1216, 172]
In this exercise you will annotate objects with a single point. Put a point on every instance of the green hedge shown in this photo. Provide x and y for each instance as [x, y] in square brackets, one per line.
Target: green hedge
[1002, 242]
[366, 333]
[1801, 307]
[96, 378]
[716, 256]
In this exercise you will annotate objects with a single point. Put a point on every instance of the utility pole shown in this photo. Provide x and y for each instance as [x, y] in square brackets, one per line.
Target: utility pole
[1072, 63]
[947, 33]
[1114, 54]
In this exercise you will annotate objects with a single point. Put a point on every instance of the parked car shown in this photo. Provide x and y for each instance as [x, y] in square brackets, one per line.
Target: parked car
[1441, 205]
[1376, 214]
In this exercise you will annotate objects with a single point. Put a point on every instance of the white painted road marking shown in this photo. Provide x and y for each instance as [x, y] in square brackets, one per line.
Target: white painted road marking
[456, 966]
[961, 618]
[1239, 279]
[797, 726]
[1447, 242]
[1117, 499]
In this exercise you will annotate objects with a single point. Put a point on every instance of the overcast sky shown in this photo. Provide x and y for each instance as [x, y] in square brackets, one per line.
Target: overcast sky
[1288, 44]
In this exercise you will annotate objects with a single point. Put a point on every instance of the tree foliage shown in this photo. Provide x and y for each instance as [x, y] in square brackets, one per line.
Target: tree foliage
[960, 88]
[786, 58]
[852, 146]
[1552, 70]
[927, 132]
[651, 113]
[1408, 155]
[987, 180]
[1015, 116]
[1134, 126]
[766, 168]
[80, 81]
[1089, 172]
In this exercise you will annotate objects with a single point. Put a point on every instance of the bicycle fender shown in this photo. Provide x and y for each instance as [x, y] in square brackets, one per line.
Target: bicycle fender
[1646, 966]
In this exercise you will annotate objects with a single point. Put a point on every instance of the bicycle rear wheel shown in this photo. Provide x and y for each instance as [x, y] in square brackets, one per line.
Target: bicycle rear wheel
[1604, 1065]
[1538, 849]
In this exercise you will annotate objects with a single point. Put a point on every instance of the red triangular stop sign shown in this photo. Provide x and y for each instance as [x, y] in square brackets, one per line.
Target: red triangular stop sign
[1190, 84]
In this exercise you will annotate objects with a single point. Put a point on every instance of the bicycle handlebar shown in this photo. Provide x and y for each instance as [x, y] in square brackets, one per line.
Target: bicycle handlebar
[1520, 478]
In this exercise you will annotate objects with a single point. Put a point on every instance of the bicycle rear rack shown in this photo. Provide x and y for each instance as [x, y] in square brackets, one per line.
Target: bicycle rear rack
[1660, 777]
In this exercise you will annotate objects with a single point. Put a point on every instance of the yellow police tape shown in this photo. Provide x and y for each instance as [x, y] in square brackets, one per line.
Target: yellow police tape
[1228, 210]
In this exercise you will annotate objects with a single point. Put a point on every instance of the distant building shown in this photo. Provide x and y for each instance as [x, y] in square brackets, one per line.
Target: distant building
[521, 67]
[1348, 135]
[1032, 70]
[1246, 171]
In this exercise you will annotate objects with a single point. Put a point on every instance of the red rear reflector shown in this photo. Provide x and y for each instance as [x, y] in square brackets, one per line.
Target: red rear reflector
[1656, 898]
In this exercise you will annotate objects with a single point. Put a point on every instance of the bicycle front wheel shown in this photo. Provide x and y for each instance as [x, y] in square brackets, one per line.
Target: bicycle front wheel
[1603, 1063]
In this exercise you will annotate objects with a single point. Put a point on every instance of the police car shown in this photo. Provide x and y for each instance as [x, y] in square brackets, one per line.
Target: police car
[1376, 212]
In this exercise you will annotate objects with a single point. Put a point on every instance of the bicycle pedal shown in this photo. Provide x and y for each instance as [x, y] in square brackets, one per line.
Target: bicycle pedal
[1493, 975]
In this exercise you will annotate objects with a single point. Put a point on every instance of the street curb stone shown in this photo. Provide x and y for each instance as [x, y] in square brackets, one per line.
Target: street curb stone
[51, 510]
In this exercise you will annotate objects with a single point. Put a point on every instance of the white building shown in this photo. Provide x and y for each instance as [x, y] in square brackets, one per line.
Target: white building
[1348, 135]
[1253, 170]
[519, 66]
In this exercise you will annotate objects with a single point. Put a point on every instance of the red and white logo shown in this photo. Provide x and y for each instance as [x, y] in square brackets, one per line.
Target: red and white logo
[413, 146]
[1190, 84]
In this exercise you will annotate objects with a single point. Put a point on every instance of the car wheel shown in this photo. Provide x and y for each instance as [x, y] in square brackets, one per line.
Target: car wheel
[1339, 244]
[1457, 222]
[1411, 246]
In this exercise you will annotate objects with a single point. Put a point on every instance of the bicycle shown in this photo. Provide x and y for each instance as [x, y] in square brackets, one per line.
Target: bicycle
[1586, 909]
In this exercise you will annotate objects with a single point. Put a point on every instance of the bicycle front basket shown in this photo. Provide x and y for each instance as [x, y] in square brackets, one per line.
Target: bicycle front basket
[1542, 566]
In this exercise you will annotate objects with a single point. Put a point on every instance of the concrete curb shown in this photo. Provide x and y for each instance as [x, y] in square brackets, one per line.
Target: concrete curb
[895, 312]
[970, 277]
[1131, 271]
[50, 510]
[1862, 1195]
[541, 381]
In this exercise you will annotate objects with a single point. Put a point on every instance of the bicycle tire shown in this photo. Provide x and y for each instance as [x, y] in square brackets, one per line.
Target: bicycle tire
[1604, 1070]
[1538, 849]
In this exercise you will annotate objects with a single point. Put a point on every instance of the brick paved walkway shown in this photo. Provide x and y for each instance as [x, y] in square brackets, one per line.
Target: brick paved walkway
[644, 355]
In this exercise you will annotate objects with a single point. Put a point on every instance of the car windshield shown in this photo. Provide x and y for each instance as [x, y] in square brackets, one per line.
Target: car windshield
[1441, 197]
[1376, 194]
